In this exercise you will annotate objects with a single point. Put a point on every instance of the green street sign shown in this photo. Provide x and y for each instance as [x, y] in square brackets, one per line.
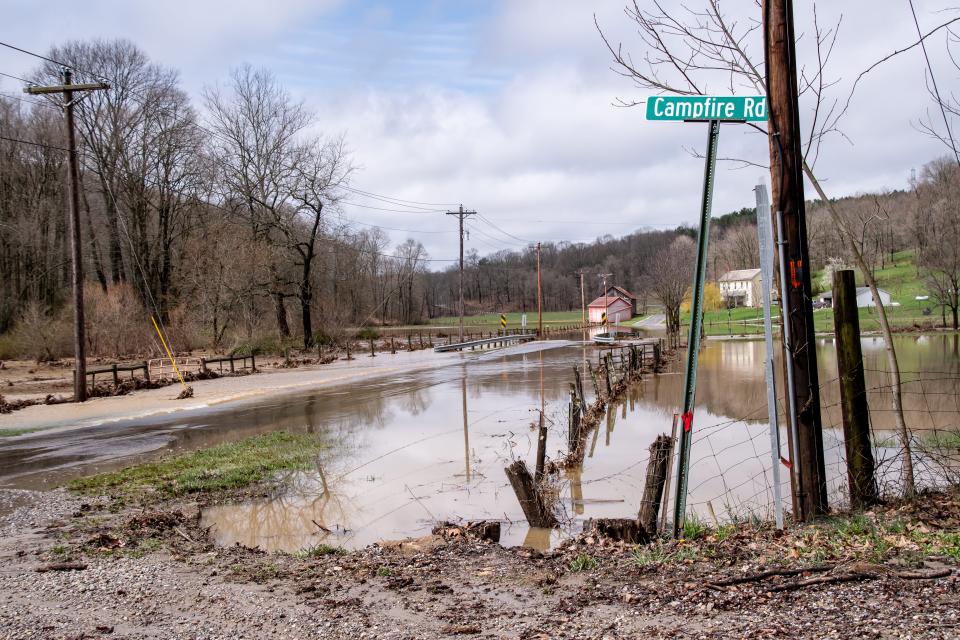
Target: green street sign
[749, 108]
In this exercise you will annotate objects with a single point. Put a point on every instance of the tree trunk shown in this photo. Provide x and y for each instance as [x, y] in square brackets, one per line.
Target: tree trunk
[281, 310]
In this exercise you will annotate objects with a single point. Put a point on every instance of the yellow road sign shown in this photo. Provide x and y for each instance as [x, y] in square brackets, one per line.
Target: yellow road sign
[603, 318]
[503, 321]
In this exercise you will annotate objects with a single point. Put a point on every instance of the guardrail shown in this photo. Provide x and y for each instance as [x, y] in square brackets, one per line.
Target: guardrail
[492, 341]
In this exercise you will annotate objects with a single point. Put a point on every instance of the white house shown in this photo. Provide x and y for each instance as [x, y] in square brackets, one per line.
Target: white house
[741, 288]
[864, 297]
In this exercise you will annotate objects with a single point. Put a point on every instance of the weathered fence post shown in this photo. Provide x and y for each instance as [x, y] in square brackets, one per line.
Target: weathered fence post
[853, 393]
[253, 361]
[146, 371]
[409, 342]
[593, 377]
[373, 353]
[658, 468]
[420, 333]
[541, 450]
[578, 382]
[349, 357]
[608, 364]
[393, 348]
[116, 378]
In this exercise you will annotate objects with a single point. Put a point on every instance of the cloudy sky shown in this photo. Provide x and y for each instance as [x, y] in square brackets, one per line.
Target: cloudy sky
[507, 106]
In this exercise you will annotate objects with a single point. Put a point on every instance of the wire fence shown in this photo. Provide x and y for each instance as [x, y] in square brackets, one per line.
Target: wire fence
[731, 461]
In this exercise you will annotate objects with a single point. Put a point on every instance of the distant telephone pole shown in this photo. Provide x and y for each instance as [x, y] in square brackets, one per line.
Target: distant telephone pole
[786, 177]
[73, 189]
[606, 319]
[461, 214]
[583, 300]
[539, 297]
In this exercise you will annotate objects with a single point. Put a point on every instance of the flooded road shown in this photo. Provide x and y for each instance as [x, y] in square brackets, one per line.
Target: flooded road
[408, 450]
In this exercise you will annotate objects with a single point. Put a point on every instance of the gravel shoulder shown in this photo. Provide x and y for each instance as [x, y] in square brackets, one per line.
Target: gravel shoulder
[76, 567]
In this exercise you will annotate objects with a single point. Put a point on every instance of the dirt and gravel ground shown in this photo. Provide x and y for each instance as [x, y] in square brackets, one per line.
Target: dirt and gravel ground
[76, 567]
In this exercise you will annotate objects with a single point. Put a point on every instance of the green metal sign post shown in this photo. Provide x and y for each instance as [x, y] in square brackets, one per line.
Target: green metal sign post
[696, 325]
[712, 110]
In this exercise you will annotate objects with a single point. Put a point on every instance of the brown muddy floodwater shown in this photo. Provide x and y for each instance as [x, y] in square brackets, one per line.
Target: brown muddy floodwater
[410, 450]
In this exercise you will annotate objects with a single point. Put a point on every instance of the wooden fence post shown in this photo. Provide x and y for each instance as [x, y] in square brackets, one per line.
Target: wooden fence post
[658, 467]
[541, 450]
[373, 353]
[853, 393]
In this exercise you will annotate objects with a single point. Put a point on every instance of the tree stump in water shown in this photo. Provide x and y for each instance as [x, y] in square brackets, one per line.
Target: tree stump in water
[623, 529]
[528, 494]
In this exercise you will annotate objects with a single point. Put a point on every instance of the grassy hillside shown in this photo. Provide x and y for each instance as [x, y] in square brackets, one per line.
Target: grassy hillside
[899, 278]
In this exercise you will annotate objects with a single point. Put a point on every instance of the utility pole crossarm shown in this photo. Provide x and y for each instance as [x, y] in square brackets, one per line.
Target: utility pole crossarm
[60, 88]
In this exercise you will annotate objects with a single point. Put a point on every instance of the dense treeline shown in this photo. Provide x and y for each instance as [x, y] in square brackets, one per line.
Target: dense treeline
[225, 226]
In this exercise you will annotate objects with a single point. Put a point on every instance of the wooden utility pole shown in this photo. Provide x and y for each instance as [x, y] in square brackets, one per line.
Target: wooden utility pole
[606, 320]
[583, 301]
[539, 297]
[786, 177]
[853, 391]
[461, 214]
[76, 254]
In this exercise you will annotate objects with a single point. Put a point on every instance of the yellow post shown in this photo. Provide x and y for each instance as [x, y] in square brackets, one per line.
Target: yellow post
[169, 355]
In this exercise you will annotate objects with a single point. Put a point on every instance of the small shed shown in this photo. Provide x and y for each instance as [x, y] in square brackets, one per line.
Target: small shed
[864, 297]
[614, 290]
[615, 306]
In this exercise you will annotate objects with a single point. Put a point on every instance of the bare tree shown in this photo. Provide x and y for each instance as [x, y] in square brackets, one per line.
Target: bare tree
[257, 128]
[939, 194]
[668, 278]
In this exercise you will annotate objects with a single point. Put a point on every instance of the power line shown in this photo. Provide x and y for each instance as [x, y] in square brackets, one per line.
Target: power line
[18, 78]
[377, 226]
[35, 144]
[507, 233]
[367, 206]
[36, 102]
[142, 100]
[426, 204]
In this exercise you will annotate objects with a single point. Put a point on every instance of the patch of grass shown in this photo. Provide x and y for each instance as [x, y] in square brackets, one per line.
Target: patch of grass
[661, 553]
[9, 433]
[514, 319]
[320, 550]
[583, 562]
[228, 466]
[384, 572]
[694, 529]
[144, 547]
[368, 333]
[723, 532]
